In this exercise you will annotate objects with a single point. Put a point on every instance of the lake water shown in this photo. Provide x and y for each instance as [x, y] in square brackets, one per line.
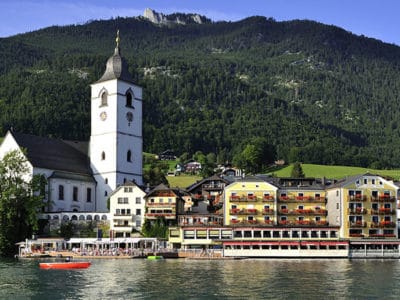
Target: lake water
[206, 279]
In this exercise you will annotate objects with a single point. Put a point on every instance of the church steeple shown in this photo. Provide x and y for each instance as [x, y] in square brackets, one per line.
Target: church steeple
[116, 67]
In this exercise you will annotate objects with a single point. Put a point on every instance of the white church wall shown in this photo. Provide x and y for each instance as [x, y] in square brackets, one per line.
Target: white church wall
[65, 201]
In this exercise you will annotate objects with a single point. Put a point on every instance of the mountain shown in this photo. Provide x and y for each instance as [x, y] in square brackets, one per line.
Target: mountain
[310, 92]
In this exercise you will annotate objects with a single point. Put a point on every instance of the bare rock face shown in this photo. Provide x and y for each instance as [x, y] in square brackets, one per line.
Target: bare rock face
[176, 18]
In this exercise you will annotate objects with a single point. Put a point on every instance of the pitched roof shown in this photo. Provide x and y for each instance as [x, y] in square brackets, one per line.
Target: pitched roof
[54, 154]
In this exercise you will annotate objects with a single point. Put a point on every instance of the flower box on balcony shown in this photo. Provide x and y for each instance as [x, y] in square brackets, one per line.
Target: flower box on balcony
[268, 197]
[235, 221]
[235, 210]
[252, 221]
[284, 198]
[268, 211]
[284, 211]
[252, 210]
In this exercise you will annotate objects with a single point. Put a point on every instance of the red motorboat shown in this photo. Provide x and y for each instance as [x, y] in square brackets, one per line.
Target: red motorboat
[65, 265]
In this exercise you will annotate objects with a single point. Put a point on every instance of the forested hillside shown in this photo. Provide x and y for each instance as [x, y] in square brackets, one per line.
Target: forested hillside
[309, 92]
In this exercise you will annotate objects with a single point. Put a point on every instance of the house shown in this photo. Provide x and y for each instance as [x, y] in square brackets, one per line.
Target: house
[207, 194]
[167, 155]
[364, 206]
[127, 208]
[164, 202]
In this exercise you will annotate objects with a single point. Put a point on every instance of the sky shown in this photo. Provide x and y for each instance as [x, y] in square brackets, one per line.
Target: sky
[377, 19]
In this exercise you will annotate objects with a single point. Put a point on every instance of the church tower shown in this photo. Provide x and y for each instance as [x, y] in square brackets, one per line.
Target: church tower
[116, 139]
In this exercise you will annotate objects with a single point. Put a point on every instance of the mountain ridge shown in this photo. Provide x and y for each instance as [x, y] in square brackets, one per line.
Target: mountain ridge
[315, 92]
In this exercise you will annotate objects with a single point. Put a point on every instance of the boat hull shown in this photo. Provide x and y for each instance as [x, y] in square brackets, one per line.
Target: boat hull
[65, 265]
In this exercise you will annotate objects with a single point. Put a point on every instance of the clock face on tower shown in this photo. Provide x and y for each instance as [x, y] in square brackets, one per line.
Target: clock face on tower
[129, 116]
[103, 116]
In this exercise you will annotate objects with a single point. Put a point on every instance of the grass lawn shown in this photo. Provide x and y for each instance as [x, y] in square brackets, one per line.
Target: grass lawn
[182, 181]
[335, 172]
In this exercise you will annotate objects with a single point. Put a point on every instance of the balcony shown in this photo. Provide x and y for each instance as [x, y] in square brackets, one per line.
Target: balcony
[303, 223]
[268, 222]
[356, 198]
[383, 198]
[251, 211]
[268, 211]
[234, 211]
[357, 211]
[387, 224]
[155, 215]
[386, 211]
[235, 221]
[357, 224]
[250, 222]
[251, 198]
[321, 223]
[284, 211]
[267, 198]
[171, 204]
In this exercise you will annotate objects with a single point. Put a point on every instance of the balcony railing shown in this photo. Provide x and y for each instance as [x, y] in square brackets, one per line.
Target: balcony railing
[160, 215]
[386, 211]
[302, 199]
[357, 224]
[357, 211]
[357, 197]
[172, 204]
[383, 198]
[267, 198]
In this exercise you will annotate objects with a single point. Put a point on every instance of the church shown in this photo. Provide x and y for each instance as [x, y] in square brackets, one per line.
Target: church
[82, 175]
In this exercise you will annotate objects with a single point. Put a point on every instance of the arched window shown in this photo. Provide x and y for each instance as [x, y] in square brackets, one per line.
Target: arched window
[129, 99]
[103, 155]
[129, 156]
[104, 99]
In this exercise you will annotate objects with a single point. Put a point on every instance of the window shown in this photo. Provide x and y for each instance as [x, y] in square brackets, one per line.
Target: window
[138, 223]
[128, 99]
[105, 193]
[128, 211]
[129, 156]
[373, 181]
[138, 211]
[106, 180]
[138, 200]
[337, 205]
[75, 193]
[104, 99]
[60, 192]
[103, 155]
[123, 200]
[88, 195]
[161, 200]
[365, 180]
[128, 189]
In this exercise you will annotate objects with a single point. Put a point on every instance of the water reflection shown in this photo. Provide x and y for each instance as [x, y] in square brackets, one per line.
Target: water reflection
[191, 279]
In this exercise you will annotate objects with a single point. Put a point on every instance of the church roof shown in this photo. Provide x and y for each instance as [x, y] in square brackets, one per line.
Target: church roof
[116, 67]
[53, 154]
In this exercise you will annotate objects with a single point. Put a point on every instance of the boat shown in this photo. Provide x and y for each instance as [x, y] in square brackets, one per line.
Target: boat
[154, 257]
[65, 265]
